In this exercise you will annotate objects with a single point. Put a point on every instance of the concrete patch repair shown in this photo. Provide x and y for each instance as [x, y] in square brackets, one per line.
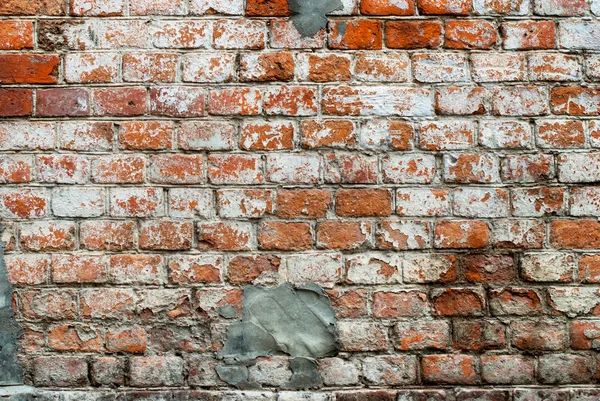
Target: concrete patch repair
[295, 321]
[10, 371]
[309, 16]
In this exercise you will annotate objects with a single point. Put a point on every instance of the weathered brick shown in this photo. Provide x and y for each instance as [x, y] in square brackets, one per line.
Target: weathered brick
[449, 369]
[463, 234]
[440, 67]
[374, 268]
[405, 34]
[177, 101]
[470, 34]
[399, 304]
[528, 35]
[479, 335]
[225, 236]
[498, 67]
[342, 235]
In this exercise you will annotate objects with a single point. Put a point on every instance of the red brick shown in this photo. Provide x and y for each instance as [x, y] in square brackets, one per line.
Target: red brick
[60, 371]
[267, 135]
[291, 101]
[403, 234]
[498, 67]
[575, 101]
[91, 68]
[447, 135]
[362, 336]
[302, 203]
[267, 67]
[458, 302]
[107, 303]
[355, 35]
[538, 335]
[195, 269]
[399, 304]
[561, 134]
[239, 34]
[554, 67]
[146, 135]
[209, 67]
[246, 269]
[479, 335]
[225, 236]
[118, 169]
[324, 67]
[16, 35]
[63, 102]
[368, 101]
[589, 268]
[343, 235]
[387, 7]
[120, 102]
[528, 35]
[350, 168]
[285, 236]
[584, 334]
[63, 169]
[284, 35]
[27, 203]
[296, 168]
[422, 335]
[47, 236]
[76, 338]
[575, 234]
[16, 102]
[489, 268]
[29, 68]
[136, 269]
[363, 202]
[181, 34]
[235, 169]
[382, 67]
[463, 234]
[460, 100]
[426, 34]
[136, 202]
[27, 269]
[206, 135]
[267, 8]
[48, 304]
[507, 369]
[77, 268]
[349, 303]
[158, 7]
[15, 169]
[149, 67]
[86, 136]
[166, 235]
[97, 8]
[528, 168]
[470, 34]
[177, 101]
[106, 371]
[131, 340]
[98, 235]
[177, 169]
[471, 168]
[33, 7]
[449, 369]
[327, 133]
[235, 101]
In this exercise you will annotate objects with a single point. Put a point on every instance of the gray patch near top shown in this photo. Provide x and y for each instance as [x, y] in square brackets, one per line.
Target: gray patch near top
[309, 16]
[298, 322]
[10, 371]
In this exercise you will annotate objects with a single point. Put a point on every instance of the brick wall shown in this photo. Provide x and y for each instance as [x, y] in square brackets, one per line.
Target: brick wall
[432, 164]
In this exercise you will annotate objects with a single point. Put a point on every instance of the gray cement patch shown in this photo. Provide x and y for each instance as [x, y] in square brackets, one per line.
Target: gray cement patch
[295, 321]
[10, 371]
[309, 16]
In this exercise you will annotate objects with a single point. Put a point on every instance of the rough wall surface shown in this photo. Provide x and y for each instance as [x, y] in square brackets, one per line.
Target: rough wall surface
[432, 164]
